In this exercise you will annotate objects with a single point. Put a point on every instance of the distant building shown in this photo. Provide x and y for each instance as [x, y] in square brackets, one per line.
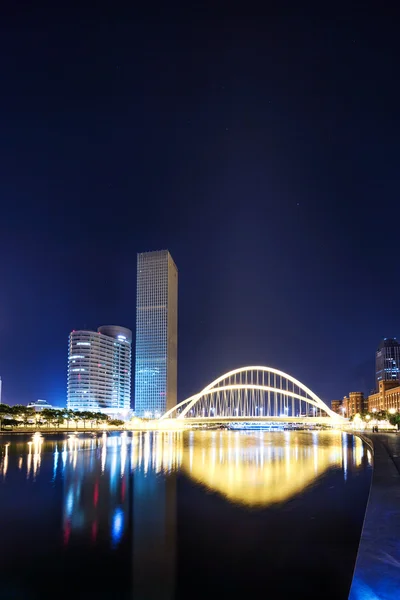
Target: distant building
[156, 334]
[387, 361]
[99, 370]
[354, 403]
[336, 406]
[39, 405]
[387, 397]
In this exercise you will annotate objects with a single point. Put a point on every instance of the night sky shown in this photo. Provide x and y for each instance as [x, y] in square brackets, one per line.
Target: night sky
[262, 151]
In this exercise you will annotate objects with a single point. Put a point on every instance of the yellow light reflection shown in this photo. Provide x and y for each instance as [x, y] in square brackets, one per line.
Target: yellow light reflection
[274, 473]
[160, 450]
[29, 460]
[5, 461]
[103, 452]
[37, 441]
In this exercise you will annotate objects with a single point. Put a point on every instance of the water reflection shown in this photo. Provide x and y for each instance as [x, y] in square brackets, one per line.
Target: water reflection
[96, 487]
[258, 470]
[120, 490]
[154, 513]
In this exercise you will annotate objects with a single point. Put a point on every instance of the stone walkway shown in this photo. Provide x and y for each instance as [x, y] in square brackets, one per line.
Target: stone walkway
[377, 571]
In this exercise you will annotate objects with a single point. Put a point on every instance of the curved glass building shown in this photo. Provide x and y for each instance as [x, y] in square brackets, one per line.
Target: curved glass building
[99, 370]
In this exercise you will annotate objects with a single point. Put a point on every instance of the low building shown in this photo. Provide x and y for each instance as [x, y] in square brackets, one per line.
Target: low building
[387, 397]
[354, 403]
[39, 405]
[336, 406]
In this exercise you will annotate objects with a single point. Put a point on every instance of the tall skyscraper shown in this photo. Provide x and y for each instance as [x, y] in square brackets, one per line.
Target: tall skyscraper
[99, 370]
[387, 362]
[156, 334]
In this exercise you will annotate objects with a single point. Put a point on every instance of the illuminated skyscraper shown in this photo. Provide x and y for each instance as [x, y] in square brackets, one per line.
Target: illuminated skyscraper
[156, 334]
[99, 370]
[387, 361]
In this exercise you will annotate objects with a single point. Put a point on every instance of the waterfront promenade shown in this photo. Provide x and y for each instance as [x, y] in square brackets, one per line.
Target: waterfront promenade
[377, 570]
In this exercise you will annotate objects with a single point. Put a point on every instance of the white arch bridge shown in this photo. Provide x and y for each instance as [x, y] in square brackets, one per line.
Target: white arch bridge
[254, 394]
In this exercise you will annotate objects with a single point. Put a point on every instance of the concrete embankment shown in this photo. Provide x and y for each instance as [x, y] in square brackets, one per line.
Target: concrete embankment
[377, 570]
[50, 430]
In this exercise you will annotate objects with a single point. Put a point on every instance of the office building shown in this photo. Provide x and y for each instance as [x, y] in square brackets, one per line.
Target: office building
[387, 361]
[99, 370]
[156, 334]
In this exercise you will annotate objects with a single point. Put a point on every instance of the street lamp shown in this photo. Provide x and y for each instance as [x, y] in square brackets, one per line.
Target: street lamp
[392, 411]
[374, 410]
[367, 417]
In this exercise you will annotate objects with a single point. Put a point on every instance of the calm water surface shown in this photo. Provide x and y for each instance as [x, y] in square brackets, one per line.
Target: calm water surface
[181, 515]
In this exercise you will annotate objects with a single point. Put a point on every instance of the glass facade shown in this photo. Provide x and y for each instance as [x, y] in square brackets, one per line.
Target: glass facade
[387, 361]
[99, 370]
[156, 334]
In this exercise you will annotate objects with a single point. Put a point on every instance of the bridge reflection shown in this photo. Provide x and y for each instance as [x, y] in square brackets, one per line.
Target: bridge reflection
[120, 490]
[253, 470]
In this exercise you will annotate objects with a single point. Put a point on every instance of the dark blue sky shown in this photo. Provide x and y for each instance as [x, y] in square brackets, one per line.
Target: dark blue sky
[262, 152]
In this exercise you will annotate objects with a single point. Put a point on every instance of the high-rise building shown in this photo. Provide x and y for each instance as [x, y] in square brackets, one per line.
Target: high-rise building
[156, 334]
[387, 362]
[99, 370]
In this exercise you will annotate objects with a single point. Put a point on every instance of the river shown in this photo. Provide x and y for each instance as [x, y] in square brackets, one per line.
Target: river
[181, 515]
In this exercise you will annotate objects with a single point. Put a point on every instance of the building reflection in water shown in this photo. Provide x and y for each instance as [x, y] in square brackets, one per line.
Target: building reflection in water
[154, 513]
[123, 486]
[96, 487]
[117, 482]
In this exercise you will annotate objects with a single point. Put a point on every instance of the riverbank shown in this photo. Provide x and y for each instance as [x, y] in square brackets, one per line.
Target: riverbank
[377, 570]
[52, 431]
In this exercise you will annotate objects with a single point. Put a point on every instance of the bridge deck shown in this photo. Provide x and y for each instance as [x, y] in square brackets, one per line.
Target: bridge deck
[309, 420]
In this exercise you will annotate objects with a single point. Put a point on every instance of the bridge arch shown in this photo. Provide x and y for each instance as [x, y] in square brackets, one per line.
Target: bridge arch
[253, 391]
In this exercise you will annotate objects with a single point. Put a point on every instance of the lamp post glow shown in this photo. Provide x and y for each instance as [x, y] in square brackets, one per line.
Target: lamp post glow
[392, 411]
[357, 421]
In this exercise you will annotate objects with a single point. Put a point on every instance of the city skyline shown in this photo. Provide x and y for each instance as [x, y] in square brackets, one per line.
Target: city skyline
[220, 188]
[263, 158]
[59, 402]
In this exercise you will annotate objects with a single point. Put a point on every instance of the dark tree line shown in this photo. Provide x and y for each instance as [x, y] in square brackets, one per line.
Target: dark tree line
[51, 417]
